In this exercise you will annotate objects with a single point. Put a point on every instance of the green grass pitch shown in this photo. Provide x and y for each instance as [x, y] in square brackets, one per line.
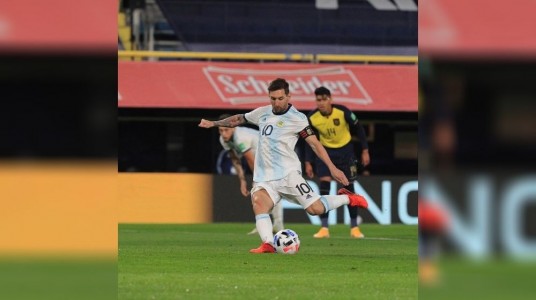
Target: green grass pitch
[211, 261]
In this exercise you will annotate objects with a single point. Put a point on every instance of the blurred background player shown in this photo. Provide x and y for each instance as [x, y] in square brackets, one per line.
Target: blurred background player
[278, 168]
[332, 124]
[433, 224]
[242, 142]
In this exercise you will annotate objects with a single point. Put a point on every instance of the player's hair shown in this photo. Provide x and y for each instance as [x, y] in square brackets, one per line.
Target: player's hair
[279, 84]
[322, 91]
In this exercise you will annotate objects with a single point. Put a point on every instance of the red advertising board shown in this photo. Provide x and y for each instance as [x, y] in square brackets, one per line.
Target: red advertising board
[477, 28]
[222, 85]
[58, 26]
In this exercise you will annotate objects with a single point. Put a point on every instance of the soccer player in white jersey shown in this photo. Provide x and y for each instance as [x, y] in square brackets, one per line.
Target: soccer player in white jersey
[277, 166]
[242, 142]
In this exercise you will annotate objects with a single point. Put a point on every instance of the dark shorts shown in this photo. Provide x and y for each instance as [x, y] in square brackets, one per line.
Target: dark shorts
[342, 158]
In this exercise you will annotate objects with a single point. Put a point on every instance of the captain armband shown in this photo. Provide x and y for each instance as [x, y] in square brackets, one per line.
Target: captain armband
[307, 131]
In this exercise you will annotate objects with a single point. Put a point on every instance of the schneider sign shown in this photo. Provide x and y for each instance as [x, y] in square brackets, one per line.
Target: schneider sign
[250, 86]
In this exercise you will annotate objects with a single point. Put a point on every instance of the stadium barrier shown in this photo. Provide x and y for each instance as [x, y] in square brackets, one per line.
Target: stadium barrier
[204, 198]
[165, 198]
[392, 199]
[58, 208]
[294, 57]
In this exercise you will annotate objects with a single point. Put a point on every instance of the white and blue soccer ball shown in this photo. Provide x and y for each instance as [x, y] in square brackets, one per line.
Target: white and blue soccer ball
[286, 241]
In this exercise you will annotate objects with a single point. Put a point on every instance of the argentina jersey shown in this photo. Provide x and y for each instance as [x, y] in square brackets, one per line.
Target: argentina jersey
[244, 139]
[276, 157]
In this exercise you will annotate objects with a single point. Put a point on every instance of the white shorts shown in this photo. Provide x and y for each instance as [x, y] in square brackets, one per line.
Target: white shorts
[293, 188]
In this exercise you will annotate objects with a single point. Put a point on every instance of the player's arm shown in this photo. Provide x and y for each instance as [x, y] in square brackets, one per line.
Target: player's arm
[309, 155]
[365, 157]
[240, 172]
[231, 121]
[360, 131]
[321, 152]
[309, 167]
[250, 158]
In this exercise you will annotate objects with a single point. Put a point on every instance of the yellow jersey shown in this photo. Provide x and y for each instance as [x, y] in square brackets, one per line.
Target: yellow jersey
[333, 131]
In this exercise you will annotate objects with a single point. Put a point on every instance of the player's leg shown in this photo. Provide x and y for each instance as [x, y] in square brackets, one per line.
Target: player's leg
[254, 230]
[277, 214]
[322, 171]
[325, 184]
[297, 190]
[262, 202]
[348, 165]
[330, 202]
[433, 224]
[355, 231]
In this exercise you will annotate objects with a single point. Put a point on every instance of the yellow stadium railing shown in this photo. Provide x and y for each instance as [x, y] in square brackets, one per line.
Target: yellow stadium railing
[367, 58]
[313, 58]
[216, 55]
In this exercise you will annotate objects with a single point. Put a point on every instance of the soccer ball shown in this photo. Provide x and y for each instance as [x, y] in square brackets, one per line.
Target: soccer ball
[286, 241]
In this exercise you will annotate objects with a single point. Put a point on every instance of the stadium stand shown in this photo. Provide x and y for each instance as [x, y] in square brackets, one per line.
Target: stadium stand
[265, 26]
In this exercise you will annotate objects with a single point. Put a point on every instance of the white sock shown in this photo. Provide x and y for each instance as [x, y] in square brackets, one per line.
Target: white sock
[331, 202]
[264, 228]
[277, 214]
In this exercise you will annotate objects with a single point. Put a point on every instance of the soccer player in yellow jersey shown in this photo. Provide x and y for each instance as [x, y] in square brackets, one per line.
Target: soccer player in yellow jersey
[332, 124]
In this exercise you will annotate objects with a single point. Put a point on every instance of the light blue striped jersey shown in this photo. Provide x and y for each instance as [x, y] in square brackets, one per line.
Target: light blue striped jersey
[276, 157]
[243, 139]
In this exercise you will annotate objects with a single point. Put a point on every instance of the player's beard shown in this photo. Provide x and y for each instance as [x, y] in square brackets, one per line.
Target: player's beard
[278, 109]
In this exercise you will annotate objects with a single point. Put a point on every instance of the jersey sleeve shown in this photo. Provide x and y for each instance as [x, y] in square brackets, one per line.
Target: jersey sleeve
[311, 122]
[350, 117]
[254, 116]
[302, 125]
[352, 120]
[244, 143]
[309, 154]
[306, 132]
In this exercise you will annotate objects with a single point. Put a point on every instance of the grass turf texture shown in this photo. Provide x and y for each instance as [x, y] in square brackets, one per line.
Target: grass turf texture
[490, 279]
[52, 278]
[211, 261]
